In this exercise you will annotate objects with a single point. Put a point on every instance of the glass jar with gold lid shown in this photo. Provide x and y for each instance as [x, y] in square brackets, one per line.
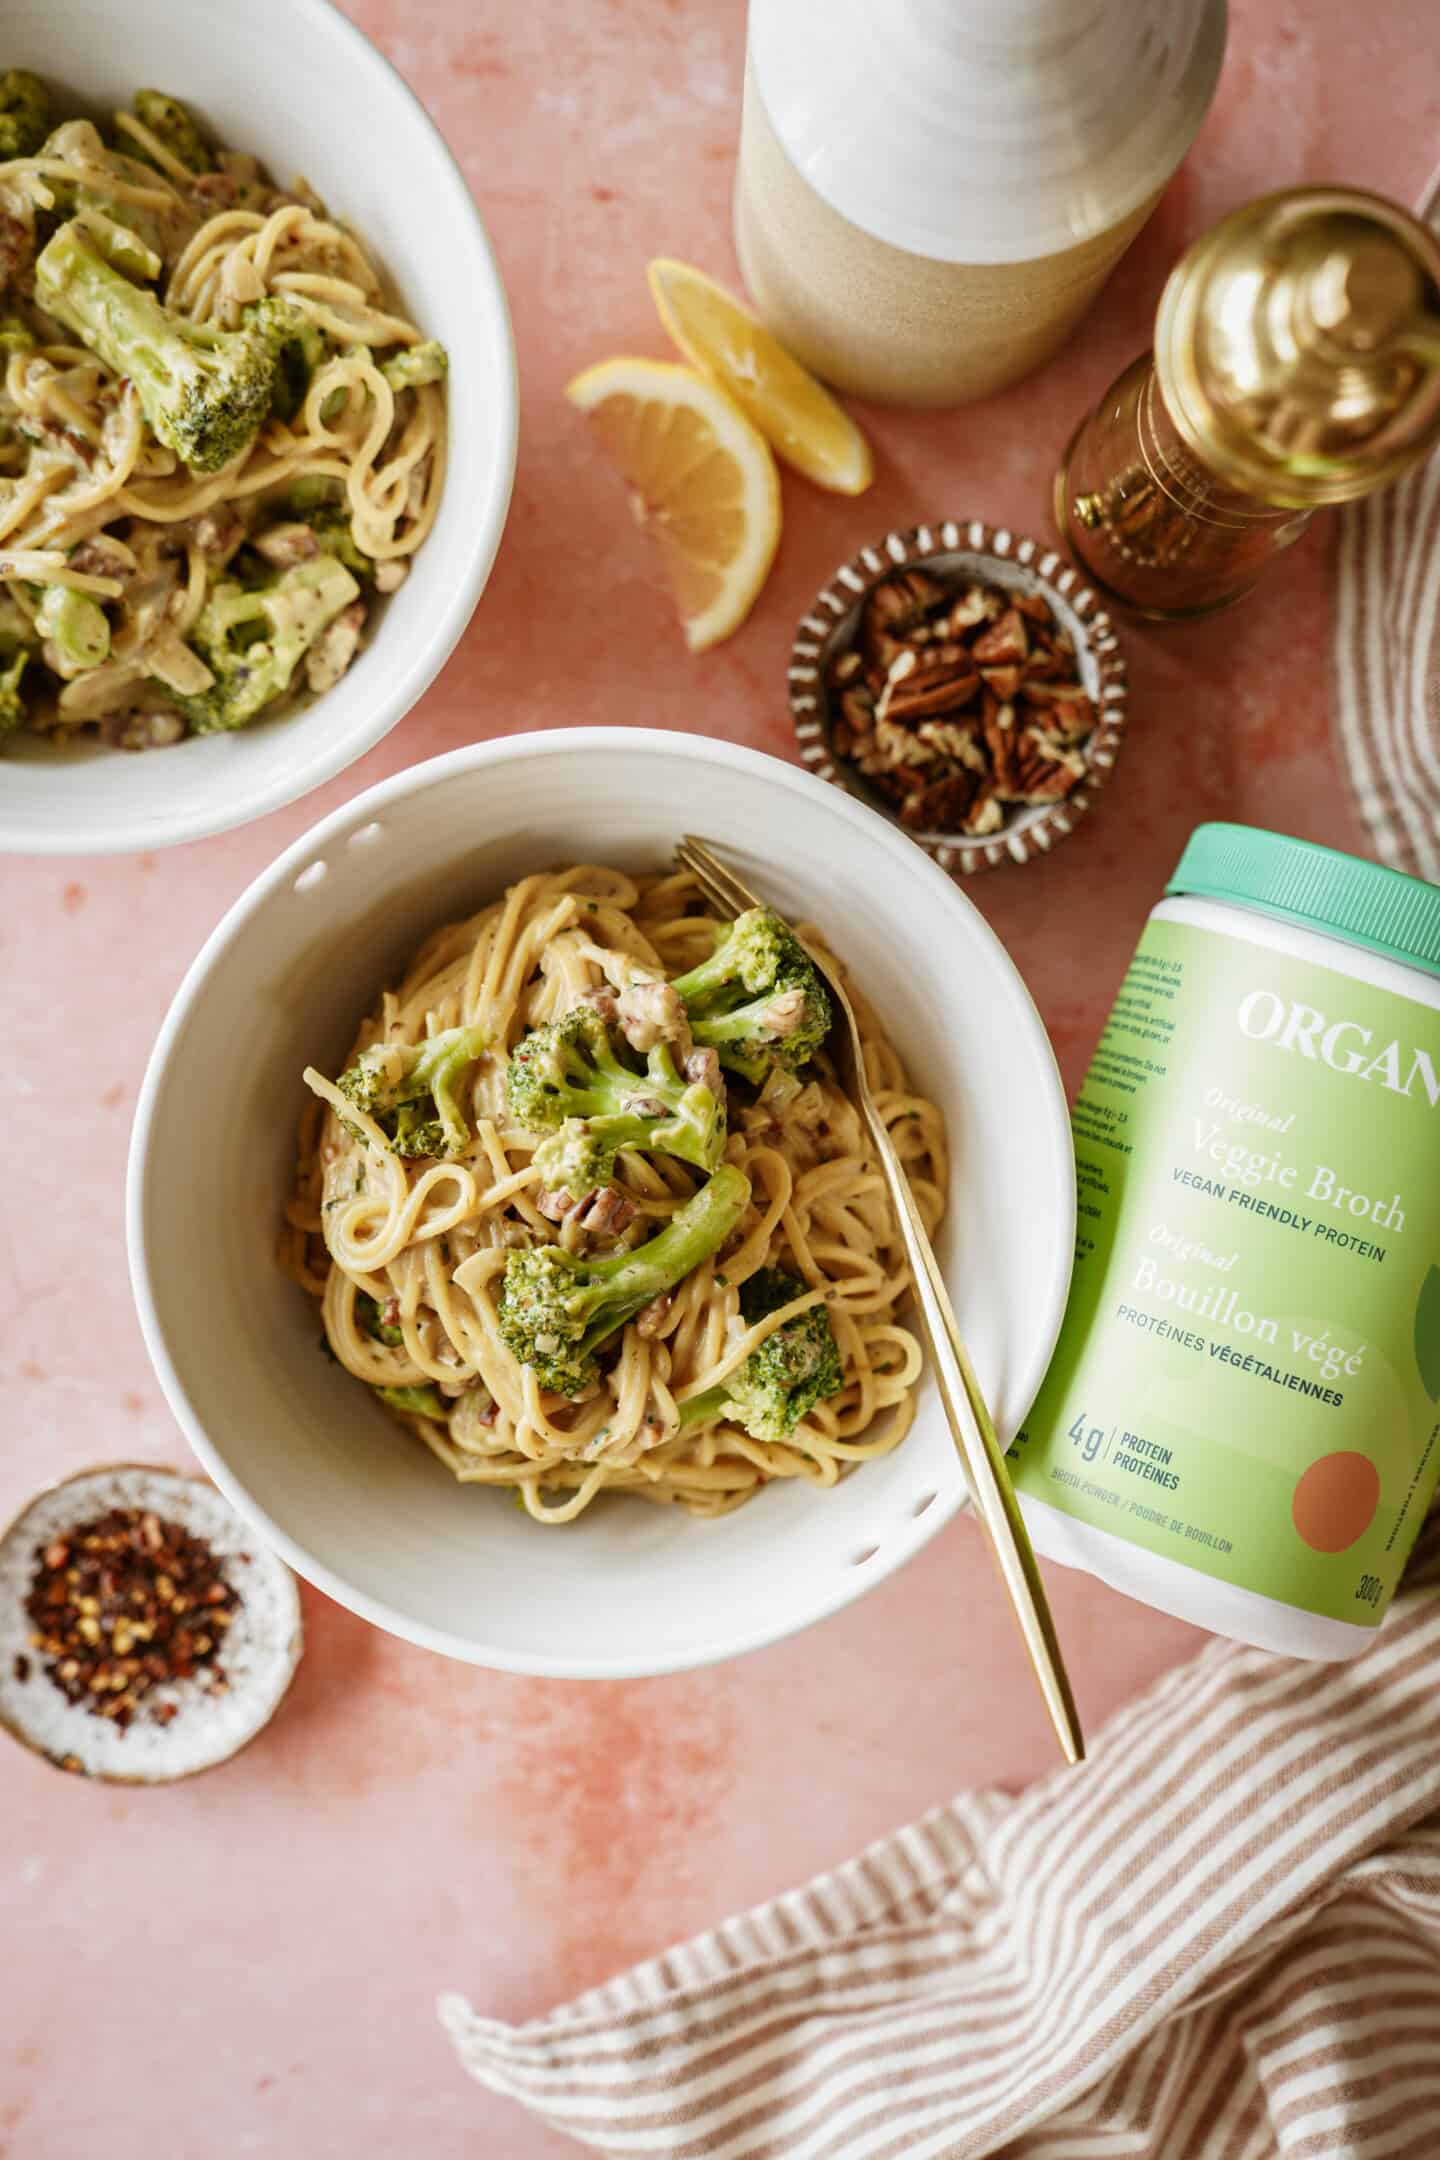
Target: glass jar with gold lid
[1296, 363]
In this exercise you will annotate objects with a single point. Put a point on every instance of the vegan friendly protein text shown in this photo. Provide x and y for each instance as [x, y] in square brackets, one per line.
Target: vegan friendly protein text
[1242, 1420]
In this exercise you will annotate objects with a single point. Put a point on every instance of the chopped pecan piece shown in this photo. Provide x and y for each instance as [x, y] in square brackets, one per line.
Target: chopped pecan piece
[702, 1069]
[1003, 742]
[897, 746]
[958, 738]
[285, 545]
[902, 600]
[153, 728]
[1063, 707]
[1006, 639]
[941, 680]
[99, 557]
[606, 1213]
[956, 702]
[974, 606]
[652, 1317]
[652, 1012]
[942, 806]
[326, 662]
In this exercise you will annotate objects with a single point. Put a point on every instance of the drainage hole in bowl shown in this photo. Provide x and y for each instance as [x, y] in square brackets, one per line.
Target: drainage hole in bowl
[311, 877]
[366, 836]
[866, 1552]
[926, 1499]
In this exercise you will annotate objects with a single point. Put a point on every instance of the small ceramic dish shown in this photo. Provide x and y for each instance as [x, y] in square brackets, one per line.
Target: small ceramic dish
[959, 554]
[262, 1646]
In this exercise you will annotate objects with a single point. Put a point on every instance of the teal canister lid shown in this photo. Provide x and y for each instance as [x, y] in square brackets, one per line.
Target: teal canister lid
[1317, 887]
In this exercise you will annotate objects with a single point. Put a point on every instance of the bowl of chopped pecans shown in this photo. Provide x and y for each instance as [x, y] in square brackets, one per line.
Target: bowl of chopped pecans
[964, 681]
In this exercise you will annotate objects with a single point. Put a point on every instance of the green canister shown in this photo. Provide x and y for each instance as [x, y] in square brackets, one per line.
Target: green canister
[1241, 1424]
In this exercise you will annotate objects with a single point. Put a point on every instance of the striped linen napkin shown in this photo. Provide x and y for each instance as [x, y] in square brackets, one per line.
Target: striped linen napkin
[1218, 1940]
[1387, 656]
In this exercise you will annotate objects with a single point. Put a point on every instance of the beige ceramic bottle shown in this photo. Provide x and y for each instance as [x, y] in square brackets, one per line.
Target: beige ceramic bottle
[931, 192]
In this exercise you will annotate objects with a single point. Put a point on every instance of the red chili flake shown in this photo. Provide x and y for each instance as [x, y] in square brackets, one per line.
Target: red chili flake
[108, 1603]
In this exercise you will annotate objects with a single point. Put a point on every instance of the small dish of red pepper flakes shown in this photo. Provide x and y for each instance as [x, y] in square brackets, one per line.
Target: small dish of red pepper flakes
[143, 1633]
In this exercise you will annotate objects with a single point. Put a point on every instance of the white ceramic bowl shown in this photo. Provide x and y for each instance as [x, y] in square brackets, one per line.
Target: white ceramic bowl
[295, 82]
[293, 1439]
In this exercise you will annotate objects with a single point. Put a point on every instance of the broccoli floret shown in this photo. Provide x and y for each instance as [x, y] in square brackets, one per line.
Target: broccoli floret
[297, 345]
[758, 997]
[318, 502]
[576, 1159]
[412, 1090]
[415, 365]
[557, 1308]
[370, 1318]
[125, 249]
[24, 113]
[252, 639]
[76, 624]
[171, 123]
[332, 529]
[12, 707]
[781, 1382]
[15, 336]
[204, 392]
[415, 1401]
[566, 1080]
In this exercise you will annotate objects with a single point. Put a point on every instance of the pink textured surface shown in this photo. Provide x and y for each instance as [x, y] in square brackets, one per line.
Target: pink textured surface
[247, 1964]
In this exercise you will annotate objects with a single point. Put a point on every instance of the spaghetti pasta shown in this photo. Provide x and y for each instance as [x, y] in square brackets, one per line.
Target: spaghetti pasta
[92, 502]
[405, 1257]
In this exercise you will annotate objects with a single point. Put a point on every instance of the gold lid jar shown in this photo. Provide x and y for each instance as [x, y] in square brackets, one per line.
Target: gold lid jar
[1296, 363]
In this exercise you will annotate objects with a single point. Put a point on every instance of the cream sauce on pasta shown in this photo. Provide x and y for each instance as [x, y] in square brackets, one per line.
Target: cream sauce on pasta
[428, 1240]
[93, 466]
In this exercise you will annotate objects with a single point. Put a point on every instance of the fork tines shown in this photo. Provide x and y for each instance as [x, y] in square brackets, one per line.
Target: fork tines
[719, 881]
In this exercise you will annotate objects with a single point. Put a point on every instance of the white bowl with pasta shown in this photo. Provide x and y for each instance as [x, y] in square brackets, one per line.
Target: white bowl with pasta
[336, 1482]
[299, 86]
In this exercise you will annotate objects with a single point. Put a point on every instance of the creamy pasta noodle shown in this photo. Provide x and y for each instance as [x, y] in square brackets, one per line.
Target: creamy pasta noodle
[219, 441]
[589, 1209]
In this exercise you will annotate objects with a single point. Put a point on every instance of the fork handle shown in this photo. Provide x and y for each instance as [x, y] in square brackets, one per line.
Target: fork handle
[983, 1458]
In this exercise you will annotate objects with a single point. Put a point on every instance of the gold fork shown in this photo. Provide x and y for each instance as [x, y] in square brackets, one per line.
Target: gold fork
[978, 1445]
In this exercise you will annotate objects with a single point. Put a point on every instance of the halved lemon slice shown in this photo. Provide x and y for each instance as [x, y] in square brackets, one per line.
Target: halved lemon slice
[702, 483]
[793, 411]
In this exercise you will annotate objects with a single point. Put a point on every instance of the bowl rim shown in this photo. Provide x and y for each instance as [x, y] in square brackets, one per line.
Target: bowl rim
[961, 854]
[454, 609]
[1048, 1307]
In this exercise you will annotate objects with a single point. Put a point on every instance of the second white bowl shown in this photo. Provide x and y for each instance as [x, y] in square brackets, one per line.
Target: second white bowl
[294, 1441]
[296, 83]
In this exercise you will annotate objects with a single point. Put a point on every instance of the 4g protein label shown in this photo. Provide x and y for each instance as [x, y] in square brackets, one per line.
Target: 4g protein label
[1248, 1376]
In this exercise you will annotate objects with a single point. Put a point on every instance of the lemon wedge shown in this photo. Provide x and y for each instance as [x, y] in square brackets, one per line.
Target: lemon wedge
[702, 484]
[791, 409]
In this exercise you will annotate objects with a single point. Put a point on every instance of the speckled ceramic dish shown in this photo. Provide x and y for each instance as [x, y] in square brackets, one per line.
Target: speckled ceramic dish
[261, 1650]
[958, 551]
